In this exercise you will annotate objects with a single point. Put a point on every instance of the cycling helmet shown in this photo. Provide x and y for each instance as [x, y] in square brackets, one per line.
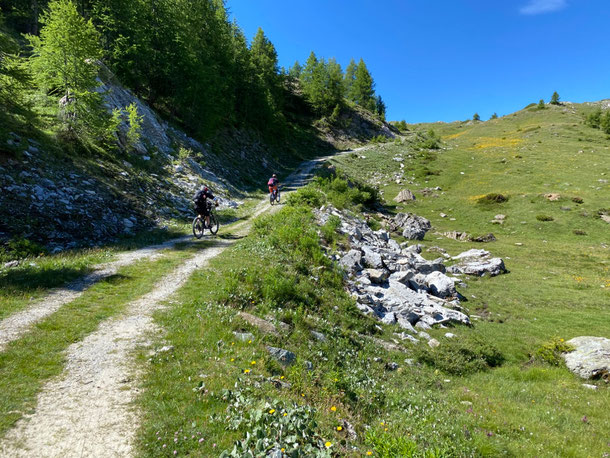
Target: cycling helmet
[274, 175]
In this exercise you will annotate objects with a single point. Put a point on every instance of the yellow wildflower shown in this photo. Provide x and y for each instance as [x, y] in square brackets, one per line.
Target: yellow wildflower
[253, 363]
[249, 341]
[369, 453]
[285, 414]
[282, 377]
[333, 408]
[328, 444]
[339, 428]
[272, 411]
[232, 359]
[246, 371]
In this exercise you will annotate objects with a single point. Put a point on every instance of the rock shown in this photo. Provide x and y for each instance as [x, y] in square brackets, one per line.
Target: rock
[284, 357]
[243, 336]
[433, 343]
[457, 235]
[443, 215]
[413, 227]
[590, 358]
[493, 267]
[376, 275]
[449, 335]
[391, 366]
[471, 254]
[309, 365]
[485, 238]
[352, 261]
[10, 264]
[440, 285]
[372, 258]
[404, 196]
[128, 223]
[264, 326]
[318, 336]
[552, 196]
[605, 218]
[500, 217]
[389, 318]
[590, 387]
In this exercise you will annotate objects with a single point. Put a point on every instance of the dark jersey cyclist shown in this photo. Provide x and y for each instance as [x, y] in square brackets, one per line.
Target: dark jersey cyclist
[201, 199]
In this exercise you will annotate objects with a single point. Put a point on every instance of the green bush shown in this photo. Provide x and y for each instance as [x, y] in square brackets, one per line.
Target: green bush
[577, 200]
[329, 230]
[544, 218]
[467, 355]
[492, 198]
[20, 248]
[550, 352]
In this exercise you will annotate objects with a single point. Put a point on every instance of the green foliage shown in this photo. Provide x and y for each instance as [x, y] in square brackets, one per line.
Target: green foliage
[428, 140]
[271, 427]
[594, 118]
[494, 116]
[492, 198]
[363, 87]
[14, 76]
[476, 117]
[295, 70]
[551, 352]
[389, 446]
[604, 122]
[135, 124]
[544, 218]
[64, 62]
[461, 356]
[334, 117]
[329, 229]
[541, 105]
[322, 83]
[20, 248]
[380, 107]
[554, 99]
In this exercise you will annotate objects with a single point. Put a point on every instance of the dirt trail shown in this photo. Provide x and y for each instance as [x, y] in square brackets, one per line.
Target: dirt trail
[14, 326]
[88, 410]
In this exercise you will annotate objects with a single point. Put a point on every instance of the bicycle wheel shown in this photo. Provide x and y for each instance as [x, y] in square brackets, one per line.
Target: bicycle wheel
[198, 227]
[214, 224]
[277, 196]
[271, 198]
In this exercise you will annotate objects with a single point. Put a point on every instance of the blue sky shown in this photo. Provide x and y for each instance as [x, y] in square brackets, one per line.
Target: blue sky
[443, 60]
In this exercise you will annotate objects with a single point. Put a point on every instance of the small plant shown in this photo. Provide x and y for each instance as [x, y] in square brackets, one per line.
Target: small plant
[329, 230]
[544, 218]
[577, 200]
[135, 124]
[594, 119]
[579, 232]
[492, 198]
[550, 352]
[467, 355]
[20, 248]
[541, 105]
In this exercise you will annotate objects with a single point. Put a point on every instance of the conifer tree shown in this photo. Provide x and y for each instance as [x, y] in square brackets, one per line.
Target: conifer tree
[604, 122]
[494, 116]
[363, 89]
[380, 107]
[541, 105]
[64, 61]
[350, 76]
[295, 70]
[555, 98]
[476, 117]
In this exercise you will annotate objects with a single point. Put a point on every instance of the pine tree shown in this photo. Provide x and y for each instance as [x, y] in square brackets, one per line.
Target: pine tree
[476, 117]
[380, 107]
[555, 98]
[363, 88]
[541, 105]
[295, 70]
[494, 116]
[604, 122]
[64, 61]
[350, 76]
[594, 118]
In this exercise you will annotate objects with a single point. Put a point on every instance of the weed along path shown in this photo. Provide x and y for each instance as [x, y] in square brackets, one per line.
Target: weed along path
[87, 411]
[14, 326]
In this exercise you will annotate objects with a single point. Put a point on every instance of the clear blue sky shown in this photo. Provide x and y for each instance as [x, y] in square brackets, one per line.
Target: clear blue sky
[443, 60]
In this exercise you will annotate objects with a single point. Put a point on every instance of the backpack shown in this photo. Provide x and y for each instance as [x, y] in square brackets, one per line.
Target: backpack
[271, 182]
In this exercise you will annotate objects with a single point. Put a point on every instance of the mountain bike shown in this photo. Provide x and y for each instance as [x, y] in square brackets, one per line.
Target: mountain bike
[275, 196]
[199, 225]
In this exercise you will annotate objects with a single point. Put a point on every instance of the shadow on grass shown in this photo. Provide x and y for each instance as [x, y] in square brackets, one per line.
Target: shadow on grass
[31, 279]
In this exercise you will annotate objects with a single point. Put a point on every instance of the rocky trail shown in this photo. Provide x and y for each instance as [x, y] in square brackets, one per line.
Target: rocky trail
[88, 410]
[14, 326]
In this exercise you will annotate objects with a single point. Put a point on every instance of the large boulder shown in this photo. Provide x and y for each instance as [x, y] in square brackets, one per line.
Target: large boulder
[440, 285]
[372, 258]
[590, 358]
[352, 261]
[413, 227]
[284, 357]
[492, 267]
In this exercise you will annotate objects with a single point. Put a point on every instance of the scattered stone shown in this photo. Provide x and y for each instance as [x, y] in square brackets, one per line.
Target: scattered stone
[449, 335]
[318, 336]
[352, 261]
[484, 238]
[243, 336]
[10, 264]
[590, 358]
[309, 366]
[493, 267]
[441, 285]
[457, 235]
[433, 343]
[264, 326]
[391, 366]
[284, 357]
[404, 196]
[590, 387]
[552, 197]
[376, 275]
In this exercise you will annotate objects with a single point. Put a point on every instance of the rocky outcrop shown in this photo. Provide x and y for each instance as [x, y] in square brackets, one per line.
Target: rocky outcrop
[590, 358]
[392, 282]
[413, 227]
[404, 196]
[477, 262]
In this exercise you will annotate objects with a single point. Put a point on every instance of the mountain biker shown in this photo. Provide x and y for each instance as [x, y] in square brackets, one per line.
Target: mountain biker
[201, 203]
[273, 184]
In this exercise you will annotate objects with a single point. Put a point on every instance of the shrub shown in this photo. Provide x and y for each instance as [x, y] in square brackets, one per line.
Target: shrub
[20, 248]
[554, 99]
[466, 355]
[306, 196]
[329, 230]
[577, 200]
[541, 105]
[492, 198]
[476, 117]
[579, 232]
[428, 140]
[550, 352]
[544, 218]
[594, 119]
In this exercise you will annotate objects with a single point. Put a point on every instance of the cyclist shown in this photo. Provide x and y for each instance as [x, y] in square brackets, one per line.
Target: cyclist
[201, 203]
[273, 184]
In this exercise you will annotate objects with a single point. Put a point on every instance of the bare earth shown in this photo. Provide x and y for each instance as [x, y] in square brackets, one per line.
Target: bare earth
[88, 410]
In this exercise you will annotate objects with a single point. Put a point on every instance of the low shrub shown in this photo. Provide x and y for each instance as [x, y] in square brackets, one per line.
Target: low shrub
[550, 352]
[492, 198]
[544, 218]
[20, 248]
[329, 230]
[579, 232]
[467, 355]
[577, 200]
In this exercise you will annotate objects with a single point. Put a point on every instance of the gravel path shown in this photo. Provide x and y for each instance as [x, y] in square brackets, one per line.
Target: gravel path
[14, 326]
[88, 410]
